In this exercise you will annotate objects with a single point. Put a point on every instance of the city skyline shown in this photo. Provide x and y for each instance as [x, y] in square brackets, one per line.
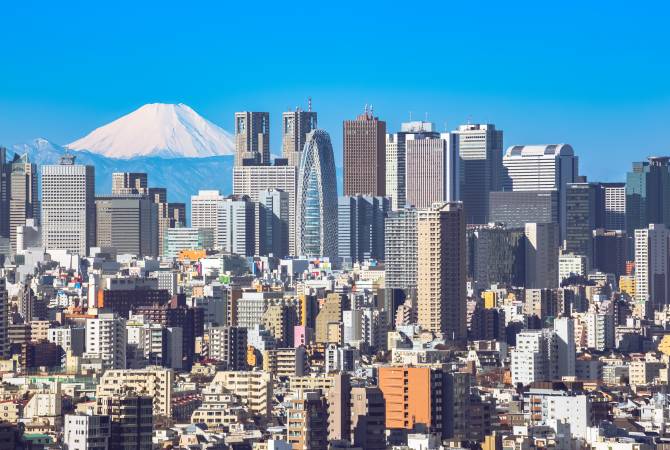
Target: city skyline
[589, 84]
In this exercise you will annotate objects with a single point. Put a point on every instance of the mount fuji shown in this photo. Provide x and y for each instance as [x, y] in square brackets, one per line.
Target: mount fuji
[158, 129]
[178, 149]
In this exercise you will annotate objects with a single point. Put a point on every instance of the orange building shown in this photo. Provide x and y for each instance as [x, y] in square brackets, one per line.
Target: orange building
[407, 392]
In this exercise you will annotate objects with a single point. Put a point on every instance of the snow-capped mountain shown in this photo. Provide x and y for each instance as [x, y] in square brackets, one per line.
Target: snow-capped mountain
[158, 130]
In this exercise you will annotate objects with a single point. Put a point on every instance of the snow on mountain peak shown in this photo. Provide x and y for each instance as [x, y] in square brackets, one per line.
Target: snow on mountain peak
[158, 129]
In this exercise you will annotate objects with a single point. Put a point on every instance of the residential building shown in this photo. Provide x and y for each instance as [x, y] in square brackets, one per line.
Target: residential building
[228, 345]
[155, 382]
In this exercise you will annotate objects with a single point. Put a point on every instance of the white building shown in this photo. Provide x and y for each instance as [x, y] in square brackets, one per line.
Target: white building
[179, 239]
[86, 432]
[569, 265]
[564, 328]
[68, 206]
[615, 206]
[235, 230]
[204, 210]
[106, 339]
[558, 406]
[599, 330]
[541, 168]
[651, 267]
[68, 338]
[535, 357]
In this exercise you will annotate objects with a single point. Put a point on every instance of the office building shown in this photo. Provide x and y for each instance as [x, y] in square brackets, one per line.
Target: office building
[316, 204]
[496, 255]
[295, 126]
[129, 183]
[252, 138]
[177, 214]
[106, 340]
[131, 416]
[652, 283]
[564, 329]
[541, 255]
[159, 197]
[441, 270]
[396, 152]
[516, 209]
[571, 265]
[360, 231]
[541, 168]
[273, 235]
[580, 219]
[23, 200]
[253, 180]
[480, 147]
[5, 176]
[228, 346]
[364, 142]
[68, 206]
[432, 169]
[180, 239]
[648, 194]
[86, 432]
[127, 223]
[205, 211]
[400, 249]
[610, 251]
[4, 319]
[235, 231]
[614, 205]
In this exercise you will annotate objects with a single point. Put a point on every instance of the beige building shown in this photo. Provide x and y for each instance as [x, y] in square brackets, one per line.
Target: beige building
[441, 270]
[328, 320]
[253, 388]
[219, 409]
[311, 382]
[155, 382]
[307, 424]
[285, 362]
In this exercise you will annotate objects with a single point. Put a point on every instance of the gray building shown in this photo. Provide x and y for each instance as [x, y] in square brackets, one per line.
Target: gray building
[496, 255]
[515, 209]
[125, 183]
[295, 126]
[360, 231]
[23, 201]
[68, 206]
[480, 147]
[272, 223]
[400, 249]
[541, 255]
[252, 138]
[228, 345]
[580, 219]
[127, 223]
[236, 228]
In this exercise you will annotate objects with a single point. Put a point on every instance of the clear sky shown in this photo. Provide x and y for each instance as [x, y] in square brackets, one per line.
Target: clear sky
[592, 74]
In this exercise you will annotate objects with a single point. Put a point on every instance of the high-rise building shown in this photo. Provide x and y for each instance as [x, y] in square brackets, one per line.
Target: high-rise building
[316, 201]
[365, 155]
[564, 328]
[159, 197]
[177, 214]
[86, 432]
[23, 202]
[368, 418]
[252, 138]
[432, 169]
[106, 339]
[4, 194]
[307, 423]
[129, 183]
[652, 263]
[400, 249]
[480, 147]
[610, 251]
[580, 219]
[295, 126]
[516, 209]
[228, 345]
[131, 416]
[441, 270]
[235, 229]
[541, 255]
[360, 231]
[396, 158]
[496, 255]
[614, 205]
[535, 357]
[252, 180]
[273, 236]
[541, 168]
[128, 223]
[68, 206]
[205, 211]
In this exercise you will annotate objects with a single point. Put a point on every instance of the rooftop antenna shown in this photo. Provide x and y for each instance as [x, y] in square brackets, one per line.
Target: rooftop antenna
[309, 104]
[426, 116]
[372, 109]
[366, 109]
[410, 116]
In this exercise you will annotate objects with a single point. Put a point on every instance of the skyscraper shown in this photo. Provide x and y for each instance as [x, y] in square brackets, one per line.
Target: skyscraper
[316, 202]
[396, 158]
[432, 172]
[441, 270]
[614, 199]
[541, 168]
[252, 180]
[4, 319]
[124, 183]
[274, 235]
[652, 260]
[68, 206]
[580, 219]
[365, 155]
[126, 223]
[648, 194]
[541, 255]
[4, 194]
[361, 227]
[23, 201]
[480, 147]
[295, 126]
[235, 228]
[205, 212]
[159, 198]
[516, 209]
[252, 138]
[400, 249]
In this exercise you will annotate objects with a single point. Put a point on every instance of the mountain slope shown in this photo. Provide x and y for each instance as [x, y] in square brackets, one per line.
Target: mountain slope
[159, 130]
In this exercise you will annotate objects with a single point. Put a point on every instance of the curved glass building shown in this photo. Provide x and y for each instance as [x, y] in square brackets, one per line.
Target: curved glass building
[316, 202]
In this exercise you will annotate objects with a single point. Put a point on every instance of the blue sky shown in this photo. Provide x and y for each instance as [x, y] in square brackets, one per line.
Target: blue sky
[594, 75]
